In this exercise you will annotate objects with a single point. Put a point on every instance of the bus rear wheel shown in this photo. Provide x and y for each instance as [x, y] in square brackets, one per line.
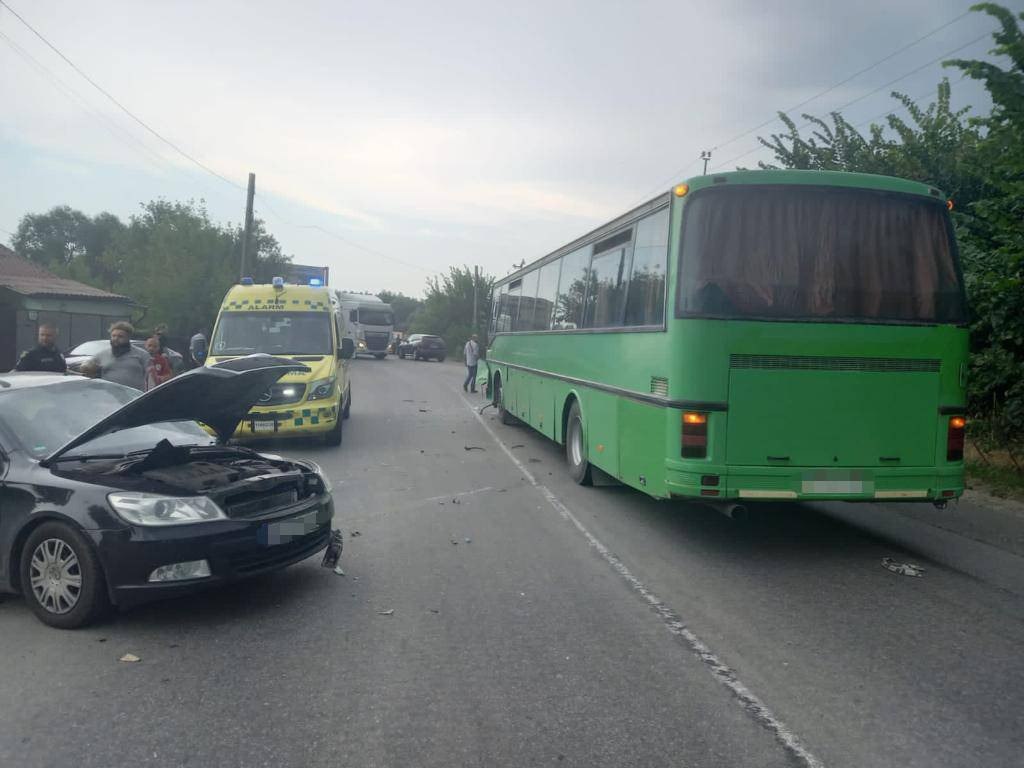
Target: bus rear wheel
[576, 447]
[499, 403]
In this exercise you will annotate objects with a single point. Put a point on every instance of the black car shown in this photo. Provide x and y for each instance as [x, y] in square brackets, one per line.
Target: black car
[111, 497]
[423, 346]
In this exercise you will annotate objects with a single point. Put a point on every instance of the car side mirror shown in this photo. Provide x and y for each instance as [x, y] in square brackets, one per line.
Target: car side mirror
[347, 348]
[197, 348]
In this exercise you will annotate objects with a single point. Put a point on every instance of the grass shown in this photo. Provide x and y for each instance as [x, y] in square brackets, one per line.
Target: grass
[998, 479]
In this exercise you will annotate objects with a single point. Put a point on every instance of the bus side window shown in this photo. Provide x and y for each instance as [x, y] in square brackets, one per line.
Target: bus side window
[645, 297]
[572, 288]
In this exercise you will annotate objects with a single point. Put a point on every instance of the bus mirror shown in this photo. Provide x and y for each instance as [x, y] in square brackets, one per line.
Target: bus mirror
[347, 348]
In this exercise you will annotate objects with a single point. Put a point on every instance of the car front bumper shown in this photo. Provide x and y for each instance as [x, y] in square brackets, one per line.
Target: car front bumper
[235, 549]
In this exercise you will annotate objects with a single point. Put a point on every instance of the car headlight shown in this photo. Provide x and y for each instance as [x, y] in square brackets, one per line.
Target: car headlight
[320, 389]
[154, 509]
[328, 486]
[362, 344]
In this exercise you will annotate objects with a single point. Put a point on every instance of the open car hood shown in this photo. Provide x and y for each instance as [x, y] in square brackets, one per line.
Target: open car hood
[219, 396]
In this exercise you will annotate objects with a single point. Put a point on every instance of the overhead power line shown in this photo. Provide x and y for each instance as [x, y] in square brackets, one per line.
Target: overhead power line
[872, 92]
[117, 103]
[888, 57]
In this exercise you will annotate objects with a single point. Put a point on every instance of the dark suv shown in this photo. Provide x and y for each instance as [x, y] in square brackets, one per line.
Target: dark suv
[422, 346]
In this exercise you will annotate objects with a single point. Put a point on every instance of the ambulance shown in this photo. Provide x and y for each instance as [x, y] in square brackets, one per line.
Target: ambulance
[300, 323]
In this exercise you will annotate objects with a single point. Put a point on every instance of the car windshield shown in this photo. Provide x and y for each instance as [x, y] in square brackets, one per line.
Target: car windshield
[274, 333]
[42, 419]
[375, 316]
[90, 348]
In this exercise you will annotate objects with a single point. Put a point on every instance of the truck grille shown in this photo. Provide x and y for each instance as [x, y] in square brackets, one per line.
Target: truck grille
[377, 340]
[808, 363]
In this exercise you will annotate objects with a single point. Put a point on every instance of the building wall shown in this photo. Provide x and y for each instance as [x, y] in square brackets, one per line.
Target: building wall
[21, 326]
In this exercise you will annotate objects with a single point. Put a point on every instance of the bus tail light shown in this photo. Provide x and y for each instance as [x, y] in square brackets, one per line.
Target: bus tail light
[955, 439]
[695, 435]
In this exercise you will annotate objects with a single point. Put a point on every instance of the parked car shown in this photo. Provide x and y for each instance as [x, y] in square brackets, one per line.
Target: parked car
[89, 349]
[423, 346]
[112, 497]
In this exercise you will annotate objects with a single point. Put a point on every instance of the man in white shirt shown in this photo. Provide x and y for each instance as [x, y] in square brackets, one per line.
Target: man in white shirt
[472, 353]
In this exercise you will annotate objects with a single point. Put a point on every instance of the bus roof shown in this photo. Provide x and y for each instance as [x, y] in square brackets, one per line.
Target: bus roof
[817, 178]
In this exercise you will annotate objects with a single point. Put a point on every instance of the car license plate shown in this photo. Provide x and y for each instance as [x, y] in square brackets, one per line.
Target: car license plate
[833, 482]
[272, 534]
[263, 426]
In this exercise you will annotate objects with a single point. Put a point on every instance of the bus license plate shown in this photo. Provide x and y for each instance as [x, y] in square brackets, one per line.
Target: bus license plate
[832, 482]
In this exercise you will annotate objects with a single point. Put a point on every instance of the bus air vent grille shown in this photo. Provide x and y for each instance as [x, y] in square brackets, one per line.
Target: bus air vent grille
[659, 386]
[809, 363]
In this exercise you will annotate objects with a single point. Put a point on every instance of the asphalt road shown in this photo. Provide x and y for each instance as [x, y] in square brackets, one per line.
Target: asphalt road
[495, 614]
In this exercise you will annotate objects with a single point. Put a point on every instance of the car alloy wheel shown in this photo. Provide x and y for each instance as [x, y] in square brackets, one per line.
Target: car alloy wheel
[55, 576]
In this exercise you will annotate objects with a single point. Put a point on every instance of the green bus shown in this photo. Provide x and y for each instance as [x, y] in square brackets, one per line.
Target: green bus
[749, 336]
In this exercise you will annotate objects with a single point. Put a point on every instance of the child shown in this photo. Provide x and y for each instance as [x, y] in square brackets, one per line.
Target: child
[159, 369]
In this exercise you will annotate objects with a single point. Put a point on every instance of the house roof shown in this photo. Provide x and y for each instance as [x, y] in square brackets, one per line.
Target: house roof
[20, 275]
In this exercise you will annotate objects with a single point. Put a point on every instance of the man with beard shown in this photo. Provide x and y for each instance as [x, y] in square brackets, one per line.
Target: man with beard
[122, 363]
[46, 356]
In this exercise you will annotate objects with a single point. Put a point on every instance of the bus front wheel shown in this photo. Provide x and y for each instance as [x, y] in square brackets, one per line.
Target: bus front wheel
[576, 447]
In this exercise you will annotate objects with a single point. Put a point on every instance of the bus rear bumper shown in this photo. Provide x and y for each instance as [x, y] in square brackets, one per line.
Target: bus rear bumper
[867, 484]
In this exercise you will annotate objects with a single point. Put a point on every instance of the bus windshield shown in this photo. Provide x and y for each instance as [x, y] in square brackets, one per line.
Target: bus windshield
[819, 254]
[274, 333]
[375, 316]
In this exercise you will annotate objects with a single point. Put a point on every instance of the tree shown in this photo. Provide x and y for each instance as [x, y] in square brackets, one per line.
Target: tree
[994, 244]
[447, 310]
[404, 307]
[69, 243]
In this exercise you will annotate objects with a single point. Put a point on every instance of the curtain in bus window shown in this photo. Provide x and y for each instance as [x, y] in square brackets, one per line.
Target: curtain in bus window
[547, 289]
[645, 299]
[524, 320]
[572, 289]
[810, 253]
[606, 290]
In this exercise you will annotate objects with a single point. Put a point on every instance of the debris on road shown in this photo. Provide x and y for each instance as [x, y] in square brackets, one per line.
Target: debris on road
[903, 569]
[456, 500]
[129, 658]
[408, 401]
[388, 612]
[454, 542]
[517, 445]
[356, 533]
[473, 448]
[424, 410]
[469, 541]
[533, 460]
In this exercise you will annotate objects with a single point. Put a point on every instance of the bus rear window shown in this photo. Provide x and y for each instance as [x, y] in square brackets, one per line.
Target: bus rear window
[812, 253]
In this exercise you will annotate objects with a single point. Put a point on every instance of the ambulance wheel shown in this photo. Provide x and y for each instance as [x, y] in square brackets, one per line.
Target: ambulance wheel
[347, 410]
[333, 438]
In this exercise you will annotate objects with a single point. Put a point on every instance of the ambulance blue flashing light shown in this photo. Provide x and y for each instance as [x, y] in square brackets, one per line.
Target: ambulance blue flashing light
[316, 281]
[246, 281]
[278, 283]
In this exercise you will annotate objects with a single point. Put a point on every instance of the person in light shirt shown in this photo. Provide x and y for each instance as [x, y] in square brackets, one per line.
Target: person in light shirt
[472, 353]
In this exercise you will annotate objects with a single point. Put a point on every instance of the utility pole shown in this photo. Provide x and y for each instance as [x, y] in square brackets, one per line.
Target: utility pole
[247, 234]
[705, 155]
[476, 290]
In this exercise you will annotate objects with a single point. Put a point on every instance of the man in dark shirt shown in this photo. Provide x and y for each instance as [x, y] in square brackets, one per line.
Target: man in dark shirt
[46, 356]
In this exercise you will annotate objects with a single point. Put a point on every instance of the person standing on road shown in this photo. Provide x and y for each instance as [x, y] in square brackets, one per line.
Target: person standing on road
[472, 353]
[122, 363]
[45, 356]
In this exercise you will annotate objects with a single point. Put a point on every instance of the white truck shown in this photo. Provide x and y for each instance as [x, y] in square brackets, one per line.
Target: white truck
[369, 321]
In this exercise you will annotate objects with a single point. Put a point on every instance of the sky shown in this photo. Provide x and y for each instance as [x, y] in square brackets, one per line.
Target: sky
[393, 140]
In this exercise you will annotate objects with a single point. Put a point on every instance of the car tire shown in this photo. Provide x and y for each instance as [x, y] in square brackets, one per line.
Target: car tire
[503, 415]
[440, 359]
[333, 438]
[61, 602]
[416, 356]
[576, 447]
[347, 410]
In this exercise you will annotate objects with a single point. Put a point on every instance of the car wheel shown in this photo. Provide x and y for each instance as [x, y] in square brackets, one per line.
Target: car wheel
[347, 411]
[576, 447]
[440, 359]
[415, 355]
[61, 577]
[499, 403]
[333, 438]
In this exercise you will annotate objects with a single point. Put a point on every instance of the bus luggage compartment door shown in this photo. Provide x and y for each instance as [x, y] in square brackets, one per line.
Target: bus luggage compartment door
[832, 418]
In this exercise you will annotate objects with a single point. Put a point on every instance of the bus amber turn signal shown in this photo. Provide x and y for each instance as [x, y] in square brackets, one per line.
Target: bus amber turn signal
[681, 189]
[955, 439]
[695, 435]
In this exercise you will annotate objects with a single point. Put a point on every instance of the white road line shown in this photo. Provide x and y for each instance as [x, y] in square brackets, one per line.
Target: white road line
[672, 621]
